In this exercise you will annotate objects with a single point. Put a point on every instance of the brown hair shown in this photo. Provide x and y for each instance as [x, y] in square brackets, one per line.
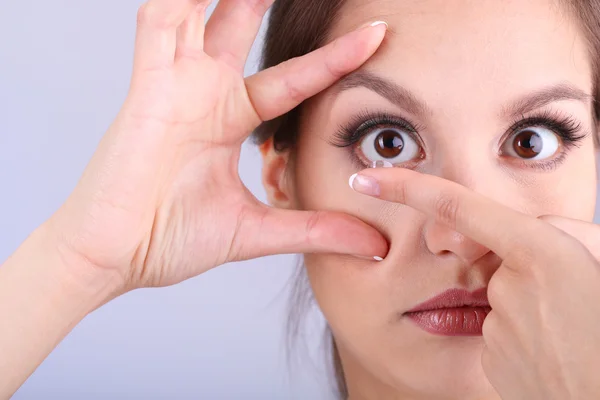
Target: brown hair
[297, 27]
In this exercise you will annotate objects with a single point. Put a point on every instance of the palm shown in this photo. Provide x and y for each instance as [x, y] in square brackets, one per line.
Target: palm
[161, 200]
[201, 111]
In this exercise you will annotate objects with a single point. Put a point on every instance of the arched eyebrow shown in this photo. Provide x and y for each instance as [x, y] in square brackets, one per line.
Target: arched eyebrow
[408, 101]
[542, 97]
[395, 93]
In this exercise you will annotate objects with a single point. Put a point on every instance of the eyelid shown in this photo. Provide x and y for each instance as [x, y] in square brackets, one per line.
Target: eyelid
[564, 125]
[359, 125]
[569, 130]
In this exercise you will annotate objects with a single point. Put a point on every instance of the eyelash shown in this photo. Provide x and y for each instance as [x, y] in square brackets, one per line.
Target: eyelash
[360, 125]
[568, 129]
[565, 127]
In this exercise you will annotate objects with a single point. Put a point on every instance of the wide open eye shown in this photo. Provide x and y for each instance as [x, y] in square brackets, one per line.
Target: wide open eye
[533, 143]
[389, 144]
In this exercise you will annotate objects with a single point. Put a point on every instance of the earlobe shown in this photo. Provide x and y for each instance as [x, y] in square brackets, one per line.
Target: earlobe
[275, 165]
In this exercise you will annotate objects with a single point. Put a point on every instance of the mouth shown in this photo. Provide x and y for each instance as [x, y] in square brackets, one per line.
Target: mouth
[455, 312]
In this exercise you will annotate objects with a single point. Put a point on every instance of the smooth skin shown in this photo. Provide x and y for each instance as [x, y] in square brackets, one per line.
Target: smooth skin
[161, 200]
[550, 273]
[459, 73]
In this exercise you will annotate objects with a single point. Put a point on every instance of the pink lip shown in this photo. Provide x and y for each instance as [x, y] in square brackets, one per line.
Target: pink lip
[455, 312]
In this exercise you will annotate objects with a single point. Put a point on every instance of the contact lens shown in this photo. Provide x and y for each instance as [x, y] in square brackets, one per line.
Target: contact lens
[381, 164]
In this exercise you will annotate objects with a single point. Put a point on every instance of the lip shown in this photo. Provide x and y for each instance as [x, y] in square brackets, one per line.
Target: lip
[455, 312]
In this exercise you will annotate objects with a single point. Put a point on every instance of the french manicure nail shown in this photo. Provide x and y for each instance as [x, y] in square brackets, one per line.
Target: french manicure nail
[372, 24]
[365, 185]
[380, 23]
[376, 258]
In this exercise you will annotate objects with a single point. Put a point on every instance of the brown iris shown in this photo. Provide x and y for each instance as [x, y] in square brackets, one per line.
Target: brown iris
[528, 144]
[389, 144]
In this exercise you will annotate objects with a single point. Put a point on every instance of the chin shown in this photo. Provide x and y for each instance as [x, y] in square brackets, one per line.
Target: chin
[439, 367]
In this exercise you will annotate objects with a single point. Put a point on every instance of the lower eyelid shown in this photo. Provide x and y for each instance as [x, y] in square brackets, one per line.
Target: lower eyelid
[545, 165]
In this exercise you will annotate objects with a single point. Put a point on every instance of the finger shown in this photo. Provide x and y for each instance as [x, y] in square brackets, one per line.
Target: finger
[266, 231]
[232, 29]
[190, 34]
[512, 235]
[156, 36]
[279, 89]
[587, 233]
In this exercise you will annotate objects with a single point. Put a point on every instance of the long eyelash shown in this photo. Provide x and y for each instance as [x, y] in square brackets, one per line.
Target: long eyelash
[353, 131]
[565, 126]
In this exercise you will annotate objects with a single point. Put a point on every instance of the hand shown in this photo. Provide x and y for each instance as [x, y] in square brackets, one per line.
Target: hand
[161, 200]
[542, 337]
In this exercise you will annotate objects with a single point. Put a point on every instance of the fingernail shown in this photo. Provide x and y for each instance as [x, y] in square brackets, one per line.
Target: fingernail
[365, 185]
[380, 23]
[372, 24]
[381, 164]
[375, 258]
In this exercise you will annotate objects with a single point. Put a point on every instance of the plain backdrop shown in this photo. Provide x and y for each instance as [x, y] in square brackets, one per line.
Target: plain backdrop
[64, 72]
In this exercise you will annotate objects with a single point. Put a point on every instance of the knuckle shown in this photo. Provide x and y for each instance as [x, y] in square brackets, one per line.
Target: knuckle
[340, 58]
[312, 226]
[399, 191]
[150, 15]
[144, 13]
[338, 62]
[446, 209]
[292, 90]
[229, 58]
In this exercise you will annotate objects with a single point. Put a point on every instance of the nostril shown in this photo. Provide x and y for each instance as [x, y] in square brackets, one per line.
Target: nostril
[444, 253]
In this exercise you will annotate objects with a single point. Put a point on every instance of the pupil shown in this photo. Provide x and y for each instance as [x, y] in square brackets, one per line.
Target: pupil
[528, 144]
[389, 144]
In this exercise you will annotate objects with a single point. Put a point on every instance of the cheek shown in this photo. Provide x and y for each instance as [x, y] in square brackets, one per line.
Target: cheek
[570, 191]
[358, 297]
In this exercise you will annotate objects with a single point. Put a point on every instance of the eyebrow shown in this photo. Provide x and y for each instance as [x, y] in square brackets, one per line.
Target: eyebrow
[406, 100]
[396, 94]
[545, 96]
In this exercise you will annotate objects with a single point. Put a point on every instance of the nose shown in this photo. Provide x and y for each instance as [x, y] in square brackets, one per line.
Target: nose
[445, 242]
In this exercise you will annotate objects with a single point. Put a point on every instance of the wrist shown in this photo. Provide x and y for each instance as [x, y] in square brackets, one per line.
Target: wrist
[80, 278]
[44, 292]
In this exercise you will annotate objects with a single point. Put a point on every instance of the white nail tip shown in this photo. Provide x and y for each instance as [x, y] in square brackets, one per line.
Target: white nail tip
[377, 258]
[379, 23]
[351, 180]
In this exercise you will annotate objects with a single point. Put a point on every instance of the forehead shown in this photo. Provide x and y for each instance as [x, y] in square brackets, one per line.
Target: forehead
[444, 48]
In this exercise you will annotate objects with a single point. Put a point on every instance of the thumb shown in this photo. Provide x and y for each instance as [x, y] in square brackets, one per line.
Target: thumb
[587, 233]
[267, 231]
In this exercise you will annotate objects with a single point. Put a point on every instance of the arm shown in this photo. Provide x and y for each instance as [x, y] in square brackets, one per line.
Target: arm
[41, 301]
[150, 214]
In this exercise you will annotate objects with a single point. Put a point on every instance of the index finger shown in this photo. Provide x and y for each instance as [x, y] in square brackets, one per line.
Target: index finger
[281, 88]
[510, 234]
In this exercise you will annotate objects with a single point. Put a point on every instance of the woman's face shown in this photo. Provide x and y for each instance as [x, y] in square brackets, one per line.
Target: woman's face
[492, 95]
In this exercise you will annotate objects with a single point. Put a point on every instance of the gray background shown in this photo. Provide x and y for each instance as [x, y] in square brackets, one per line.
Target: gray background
[64, 72]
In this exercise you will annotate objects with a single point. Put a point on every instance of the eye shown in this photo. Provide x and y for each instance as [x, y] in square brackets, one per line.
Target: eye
[389, 144]
[533, 143]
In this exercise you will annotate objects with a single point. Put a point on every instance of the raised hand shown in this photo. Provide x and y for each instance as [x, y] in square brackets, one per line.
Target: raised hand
[161, 200]
[542, 337]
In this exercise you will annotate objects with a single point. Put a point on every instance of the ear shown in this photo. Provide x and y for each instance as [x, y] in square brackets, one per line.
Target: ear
[274, 176]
